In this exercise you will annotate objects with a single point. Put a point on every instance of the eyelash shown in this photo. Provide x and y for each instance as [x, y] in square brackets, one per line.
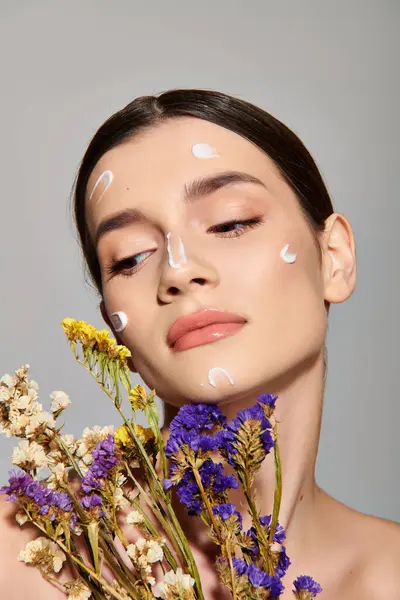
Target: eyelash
[116, 267]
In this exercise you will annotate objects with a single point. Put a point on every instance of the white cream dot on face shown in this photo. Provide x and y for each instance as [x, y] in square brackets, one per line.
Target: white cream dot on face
[212, 372]
[287, 257]
[119, 320]
[182, 257]
[204, 151]
[106, 178]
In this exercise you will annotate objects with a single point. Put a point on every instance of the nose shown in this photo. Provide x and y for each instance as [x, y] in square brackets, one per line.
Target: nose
[183, 272]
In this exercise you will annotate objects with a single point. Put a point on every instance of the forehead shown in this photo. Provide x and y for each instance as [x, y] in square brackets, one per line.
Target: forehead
[159, 161]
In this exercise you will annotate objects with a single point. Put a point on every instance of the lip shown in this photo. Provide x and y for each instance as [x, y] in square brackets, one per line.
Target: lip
[203, 318]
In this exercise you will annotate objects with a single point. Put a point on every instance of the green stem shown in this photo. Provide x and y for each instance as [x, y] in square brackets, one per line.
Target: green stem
[187, 551]
[263, 541]
[278, 488]
[76, 560]
[216, 529]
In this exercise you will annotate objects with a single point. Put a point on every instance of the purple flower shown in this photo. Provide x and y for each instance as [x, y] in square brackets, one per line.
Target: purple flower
[17, 484]
[198, 418]
[228, 438]
[268, 400]
[283, 564]
[91, 501]
[279, 534]
[214, 481]
[22, 485]
[189, 494]
[260, 578]
[239, 565]
[103, 461]
[192, 439]
[305, 583]
[212, 475]
[224, 511]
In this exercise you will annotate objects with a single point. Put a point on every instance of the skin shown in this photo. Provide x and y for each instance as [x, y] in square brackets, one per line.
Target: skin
[279, 350]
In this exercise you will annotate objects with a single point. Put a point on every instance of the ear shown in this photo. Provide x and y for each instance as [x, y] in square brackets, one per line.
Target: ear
[339, 259]
[108, 321]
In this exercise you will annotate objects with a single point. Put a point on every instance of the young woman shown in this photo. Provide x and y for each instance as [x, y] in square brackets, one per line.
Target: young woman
[212, 241]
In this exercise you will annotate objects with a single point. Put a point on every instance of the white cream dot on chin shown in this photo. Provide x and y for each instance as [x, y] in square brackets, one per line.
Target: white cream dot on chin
[212, 372]
[287, 257]
[182, 257]
[119, 320]
[204, 151]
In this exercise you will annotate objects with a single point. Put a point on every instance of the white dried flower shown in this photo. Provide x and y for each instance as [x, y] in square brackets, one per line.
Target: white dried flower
[59, 401]
[145, 551]
[77, 590]
[33, 385]
[23, 403]
[59, 476]
[70, 441]
[44, 553]
[29, 455]
[17, 424]
[155, 552]
[9, 381]
[177, 582]
[39, 423]
[134, 517]
[21, 518]
[90, 439]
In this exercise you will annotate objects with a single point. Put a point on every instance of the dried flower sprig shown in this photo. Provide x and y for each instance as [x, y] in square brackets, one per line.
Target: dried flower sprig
[104, 483]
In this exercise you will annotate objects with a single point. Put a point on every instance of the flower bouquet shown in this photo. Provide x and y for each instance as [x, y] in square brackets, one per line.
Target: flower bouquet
[83, 494]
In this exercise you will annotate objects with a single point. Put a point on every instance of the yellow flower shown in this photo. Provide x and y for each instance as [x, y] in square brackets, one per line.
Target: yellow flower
[123, 437]
[103, 340]
[69, 326]
[79, 331]
[123, 353]
[120, 353]
[138, 397]
[87, 335]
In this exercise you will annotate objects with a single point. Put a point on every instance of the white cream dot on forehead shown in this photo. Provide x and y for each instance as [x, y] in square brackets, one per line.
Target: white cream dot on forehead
[287, 257]
[106, 177]
[204, 151]
[119, 320]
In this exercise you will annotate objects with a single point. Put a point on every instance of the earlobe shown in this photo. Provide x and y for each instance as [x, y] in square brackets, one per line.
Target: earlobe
[339, 259]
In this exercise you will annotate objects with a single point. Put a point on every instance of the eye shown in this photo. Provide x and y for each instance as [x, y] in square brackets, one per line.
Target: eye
[131, 264]
[229, 229]
[127, 266]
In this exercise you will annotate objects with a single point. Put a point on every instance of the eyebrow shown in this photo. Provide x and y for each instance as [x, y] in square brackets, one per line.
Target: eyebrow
[192, 191]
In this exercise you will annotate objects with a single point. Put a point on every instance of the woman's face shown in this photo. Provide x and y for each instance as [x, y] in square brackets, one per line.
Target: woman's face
[236, 268]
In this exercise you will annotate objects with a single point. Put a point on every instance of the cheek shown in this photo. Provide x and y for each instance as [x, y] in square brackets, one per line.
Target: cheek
[286, 299]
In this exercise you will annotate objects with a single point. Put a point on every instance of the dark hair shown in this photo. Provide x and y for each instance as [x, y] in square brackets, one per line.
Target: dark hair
[289, 154]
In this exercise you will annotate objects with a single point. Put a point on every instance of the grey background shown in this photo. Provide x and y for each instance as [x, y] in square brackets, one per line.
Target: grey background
[329, 70]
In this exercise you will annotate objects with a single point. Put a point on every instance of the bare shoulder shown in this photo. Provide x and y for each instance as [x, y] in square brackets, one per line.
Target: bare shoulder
[15, 576]
[381, 564]
[365, 558]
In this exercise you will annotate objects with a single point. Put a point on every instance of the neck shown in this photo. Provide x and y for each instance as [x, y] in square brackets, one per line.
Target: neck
[298, 413]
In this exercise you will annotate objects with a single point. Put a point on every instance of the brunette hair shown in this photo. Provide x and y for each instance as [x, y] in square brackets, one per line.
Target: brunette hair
[282, 145]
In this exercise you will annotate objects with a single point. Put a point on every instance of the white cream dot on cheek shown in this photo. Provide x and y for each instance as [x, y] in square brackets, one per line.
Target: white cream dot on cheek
[204, 151]
[119, 320]
[182, 257]
[212, 372]
[287, 257]
[106, 177]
